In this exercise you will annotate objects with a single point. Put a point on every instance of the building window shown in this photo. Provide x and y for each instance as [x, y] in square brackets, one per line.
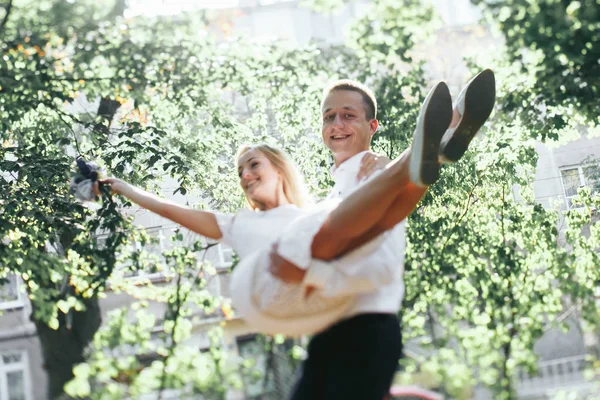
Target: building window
[14, 376]
[575, 177]
[218, 254]
[153, 250]
[225, 256]
[10, 294]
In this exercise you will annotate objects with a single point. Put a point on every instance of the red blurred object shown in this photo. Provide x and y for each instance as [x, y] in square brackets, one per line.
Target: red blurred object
[413, 392]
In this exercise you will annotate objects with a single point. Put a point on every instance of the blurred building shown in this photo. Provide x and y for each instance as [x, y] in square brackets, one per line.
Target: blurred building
[561, 170]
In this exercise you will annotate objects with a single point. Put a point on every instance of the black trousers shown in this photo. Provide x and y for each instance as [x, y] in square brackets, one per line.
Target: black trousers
[354, 359]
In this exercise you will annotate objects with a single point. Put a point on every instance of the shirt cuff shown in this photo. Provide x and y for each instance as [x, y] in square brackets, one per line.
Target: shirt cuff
[318, 274]
[295, 243]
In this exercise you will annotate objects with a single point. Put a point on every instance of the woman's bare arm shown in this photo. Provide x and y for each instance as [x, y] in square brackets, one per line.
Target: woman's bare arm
[201, 222]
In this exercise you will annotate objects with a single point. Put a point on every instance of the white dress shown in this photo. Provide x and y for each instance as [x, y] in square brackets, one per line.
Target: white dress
[266, 303]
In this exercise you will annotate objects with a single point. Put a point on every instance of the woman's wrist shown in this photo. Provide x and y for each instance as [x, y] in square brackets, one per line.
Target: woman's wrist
[123, 188]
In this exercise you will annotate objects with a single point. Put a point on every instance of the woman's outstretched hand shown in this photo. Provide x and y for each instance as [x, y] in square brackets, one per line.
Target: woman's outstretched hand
[117, 186]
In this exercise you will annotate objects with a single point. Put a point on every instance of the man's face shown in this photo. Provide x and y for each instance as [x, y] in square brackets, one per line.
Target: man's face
[346, 130]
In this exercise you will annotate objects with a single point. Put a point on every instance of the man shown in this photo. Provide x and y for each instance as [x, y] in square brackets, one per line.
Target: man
[356, 358]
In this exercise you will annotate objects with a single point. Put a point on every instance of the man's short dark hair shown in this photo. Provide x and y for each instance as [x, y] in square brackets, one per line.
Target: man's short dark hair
[354, 86]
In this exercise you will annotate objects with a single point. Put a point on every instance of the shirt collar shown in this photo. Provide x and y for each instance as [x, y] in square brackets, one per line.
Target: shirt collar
[338, 172]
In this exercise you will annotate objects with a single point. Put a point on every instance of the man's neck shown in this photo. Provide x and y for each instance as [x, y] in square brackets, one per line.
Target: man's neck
[340, 158]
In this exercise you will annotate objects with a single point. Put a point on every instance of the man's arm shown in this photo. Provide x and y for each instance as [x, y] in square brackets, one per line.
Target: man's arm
[350, 274]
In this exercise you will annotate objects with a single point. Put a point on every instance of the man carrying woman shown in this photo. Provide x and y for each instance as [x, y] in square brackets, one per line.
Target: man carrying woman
[335, 270]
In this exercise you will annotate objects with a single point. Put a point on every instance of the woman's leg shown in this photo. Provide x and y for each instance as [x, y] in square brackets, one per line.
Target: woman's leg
[398, 211]
[371, 210]
[370, 205]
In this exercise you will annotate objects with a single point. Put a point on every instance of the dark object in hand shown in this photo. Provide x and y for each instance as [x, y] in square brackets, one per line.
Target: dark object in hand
[82, 183]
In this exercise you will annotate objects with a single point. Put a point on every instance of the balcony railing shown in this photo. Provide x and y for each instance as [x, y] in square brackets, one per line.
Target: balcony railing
[553, 375]
[220, 256]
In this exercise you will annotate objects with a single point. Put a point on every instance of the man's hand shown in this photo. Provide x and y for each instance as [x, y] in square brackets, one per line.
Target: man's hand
[370, 163]
[283, 269]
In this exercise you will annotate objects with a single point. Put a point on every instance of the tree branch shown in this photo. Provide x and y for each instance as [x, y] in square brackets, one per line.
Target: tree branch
[8, 8]
[72, 132]
[463, 214]
[180, 300]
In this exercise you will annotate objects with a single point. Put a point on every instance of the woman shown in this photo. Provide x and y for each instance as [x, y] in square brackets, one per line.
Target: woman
[276, 195]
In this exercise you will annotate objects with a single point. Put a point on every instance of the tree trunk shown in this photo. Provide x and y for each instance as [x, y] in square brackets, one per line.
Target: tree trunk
[63, 348]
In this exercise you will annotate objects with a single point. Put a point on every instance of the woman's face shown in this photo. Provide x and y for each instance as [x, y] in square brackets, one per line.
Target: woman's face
[259, 178]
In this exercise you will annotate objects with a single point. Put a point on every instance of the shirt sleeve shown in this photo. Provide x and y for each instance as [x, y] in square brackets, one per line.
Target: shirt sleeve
[225, 223]
[295, 242]
[359, 271]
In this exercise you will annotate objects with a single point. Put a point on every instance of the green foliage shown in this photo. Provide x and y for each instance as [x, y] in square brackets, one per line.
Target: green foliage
[148, 98]
[554, 46]
[390, 29]
[134, 354]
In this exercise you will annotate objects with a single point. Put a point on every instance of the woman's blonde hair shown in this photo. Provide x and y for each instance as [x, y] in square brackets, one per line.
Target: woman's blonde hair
[293, 184]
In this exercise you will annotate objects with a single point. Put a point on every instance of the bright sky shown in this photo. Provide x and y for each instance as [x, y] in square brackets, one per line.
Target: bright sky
[452, 11]
[170, 7]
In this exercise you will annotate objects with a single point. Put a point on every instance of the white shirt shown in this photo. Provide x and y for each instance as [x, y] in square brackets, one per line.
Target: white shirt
[374, 275]
[249, 231]
[266, 303]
